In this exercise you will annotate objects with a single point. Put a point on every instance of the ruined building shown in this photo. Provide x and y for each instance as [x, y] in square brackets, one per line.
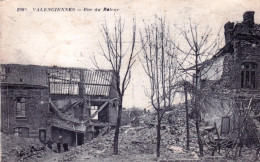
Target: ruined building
[231, 78]
[48, 102]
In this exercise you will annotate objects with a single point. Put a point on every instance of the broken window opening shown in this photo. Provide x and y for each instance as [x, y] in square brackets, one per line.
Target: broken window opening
[225, 125]
[42, 135]
[93, 110]
[248, 75]
[20, 107]
[21, 132]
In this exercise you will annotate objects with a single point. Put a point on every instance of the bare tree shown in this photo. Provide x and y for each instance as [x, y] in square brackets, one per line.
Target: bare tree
[160, 66]
[199, 49]
[187, 88]
[118, 53]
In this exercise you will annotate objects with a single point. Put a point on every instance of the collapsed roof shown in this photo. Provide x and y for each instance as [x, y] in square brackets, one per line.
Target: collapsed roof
[68, 81]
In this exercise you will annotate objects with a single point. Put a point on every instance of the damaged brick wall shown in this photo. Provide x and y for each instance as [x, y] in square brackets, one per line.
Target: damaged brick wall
[29, 92]
[25, 74]
[240, 79]
[36, 109]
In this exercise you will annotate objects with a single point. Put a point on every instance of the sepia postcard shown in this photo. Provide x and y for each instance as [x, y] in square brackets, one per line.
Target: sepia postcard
[130, 80]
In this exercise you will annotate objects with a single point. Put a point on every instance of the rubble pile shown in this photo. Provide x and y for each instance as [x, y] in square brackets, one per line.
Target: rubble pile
[15, 148]
[142, 139]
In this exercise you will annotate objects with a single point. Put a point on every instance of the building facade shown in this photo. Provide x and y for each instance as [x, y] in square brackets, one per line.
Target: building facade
[48, 102]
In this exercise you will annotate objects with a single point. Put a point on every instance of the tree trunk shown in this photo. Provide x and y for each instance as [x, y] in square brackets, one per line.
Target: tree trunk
[197, 112]
[117, 126]
[187, 117]
[158, 144]
[197, 127]
[198, 134]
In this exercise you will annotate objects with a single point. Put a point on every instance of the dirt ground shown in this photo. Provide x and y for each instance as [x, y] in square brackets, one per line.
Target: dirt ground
[77, 156]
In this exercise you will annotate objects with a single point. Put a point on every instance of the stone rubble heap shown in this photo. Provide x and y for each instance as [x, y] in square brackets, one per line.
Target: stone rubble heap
[15, 148]
[142, 139]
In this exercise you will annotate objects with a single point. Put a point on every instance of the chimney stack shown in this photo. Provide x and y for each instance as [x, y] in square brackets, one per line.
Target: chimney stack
[249, 19]
[228, 32]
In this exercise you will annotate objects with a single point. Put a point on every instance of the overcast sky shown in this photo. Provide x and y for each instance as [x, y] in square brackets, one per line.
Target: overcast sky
[71, 39]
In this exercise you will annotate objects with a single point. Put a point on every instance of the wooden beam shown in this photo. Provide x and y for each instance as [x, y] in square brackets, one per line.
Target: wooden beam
[99, 99]
[74, 104]
[100, 109]
[61, 115]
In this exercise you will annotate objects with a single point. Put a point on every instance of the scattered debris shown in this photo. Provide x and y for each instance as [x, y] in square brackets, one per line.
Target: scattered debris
[141, 140]
[22, 149]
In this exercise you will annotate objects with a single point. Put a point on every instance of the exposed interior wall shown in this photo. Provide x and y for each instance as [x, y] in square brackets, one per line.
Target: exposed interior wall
[213, 109]
[103, 115]
[214, 70]
[89, 88]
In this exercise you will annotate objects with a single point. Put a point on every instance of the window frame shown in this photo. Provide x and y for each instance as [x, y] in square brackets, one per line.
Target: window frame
[248, 75]
[229, 124]
[22, 112]
[93, 110]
